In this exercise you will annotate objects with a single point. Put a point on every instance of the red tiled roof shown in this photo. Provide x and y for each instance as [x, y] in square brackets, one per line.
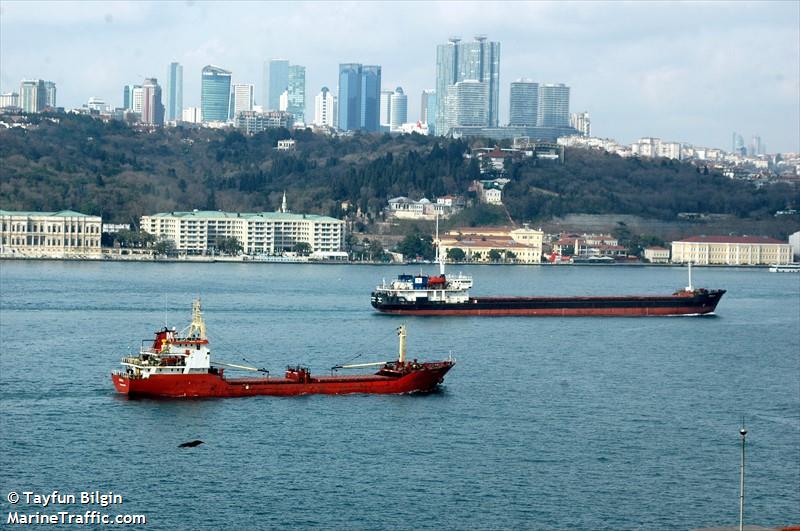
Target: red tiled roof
[729, 239]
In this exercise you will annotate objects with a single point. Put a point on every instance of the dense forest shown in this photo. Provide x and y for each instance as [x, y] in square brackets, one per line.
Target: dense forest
[121, 173]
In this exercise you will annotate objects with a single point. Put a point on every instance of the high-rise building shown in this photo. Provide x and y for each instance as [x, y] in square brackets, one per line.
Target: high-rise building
[738, 144]
[215, 94]
[399, 108]
[138, 99]
[127, 97]
[553, 105]
[296, 92]
[349, 112]
[174, 92]
[371, 97]
[386, 110]
[9, 99]
[524, 103]
[50, 94]
[756, 146]
[278, 82]
[152, 107]
[359, 97]
[581, 122]
[457, 61]
[32, 95]
[243, 97]
[323, 109]
[424, 115]
[466, 104]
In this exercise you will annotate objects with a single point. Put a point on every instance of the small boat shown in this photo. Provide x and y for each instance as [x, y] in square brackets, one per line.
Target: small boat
[784, 268]
[179, 365]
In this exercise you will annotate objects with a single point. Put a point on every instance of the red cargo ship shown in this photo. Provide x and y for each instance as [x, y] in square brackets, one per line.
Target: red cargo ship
[178, 365]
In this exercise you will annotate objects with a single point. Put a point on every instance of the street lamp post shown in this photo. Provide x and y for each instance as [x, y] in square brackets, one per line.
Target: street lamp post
[743, 433]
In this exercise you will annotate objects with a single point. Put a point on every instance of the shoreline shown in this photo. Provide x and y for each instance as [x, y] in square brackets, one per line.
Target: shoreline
[240, 260]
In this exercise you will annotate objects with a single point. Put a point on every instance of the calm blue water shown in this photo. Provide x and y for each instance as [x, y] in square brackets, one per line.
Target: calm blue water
[572, 423]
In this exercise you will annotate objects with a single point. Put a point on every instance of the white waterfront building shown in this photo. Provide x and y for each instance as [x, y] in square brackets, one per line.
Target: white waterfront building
[61, 234]
[269, 233]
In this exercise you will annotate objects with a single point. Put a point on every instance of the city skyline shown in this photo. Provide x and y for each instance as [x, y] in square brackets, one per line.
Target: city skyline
[688, 72]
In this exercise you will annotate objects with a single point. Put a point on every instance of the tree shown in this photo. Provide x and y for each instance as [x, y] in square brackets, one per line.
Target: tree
[230, 246]
[302, 248]
[417, 245]
[511, 255]
[164, 247]
[456, 255]
[495, 255]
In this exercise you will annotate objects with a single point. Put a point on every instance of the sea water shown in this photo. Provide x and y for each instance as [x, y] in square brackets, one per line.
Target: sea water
[545, 422]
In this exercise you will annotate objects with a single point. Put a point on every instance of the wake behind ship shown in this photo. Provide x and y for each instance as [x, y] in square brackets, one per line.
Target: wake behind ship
[179, 365]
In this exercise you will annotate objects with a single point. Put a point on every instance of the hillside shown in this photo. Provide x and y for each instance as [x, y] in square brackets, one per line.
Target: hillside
[121, 173]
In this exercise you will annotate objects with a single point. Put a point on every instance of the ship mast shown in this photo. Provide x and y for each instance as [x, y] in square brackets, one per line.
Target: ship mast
[401, 333]
[197, 328]
[690, 287]
[439, 257]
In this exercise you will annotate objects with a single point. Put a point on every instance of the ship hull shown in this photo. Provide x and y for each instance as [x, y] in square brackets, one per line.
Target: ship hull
[209, 385]
[633, 306]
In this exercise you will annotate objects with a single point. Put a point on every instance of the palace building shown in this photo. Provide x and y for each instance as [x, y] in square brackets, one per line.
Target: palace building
[61, 234]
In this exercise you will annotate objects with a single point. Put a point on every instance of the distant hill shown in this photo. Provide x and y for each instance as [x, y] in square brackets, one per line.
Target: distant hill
[121, 173]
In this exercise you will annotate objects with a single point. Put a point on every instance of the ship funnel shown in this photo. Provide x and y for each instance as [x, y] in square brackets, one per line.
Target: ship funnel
[401, 333]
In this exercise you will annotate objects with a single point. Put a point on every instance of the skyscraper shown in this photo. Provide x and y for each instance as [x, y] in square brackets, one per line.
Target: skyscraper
[243, 97]
[424, 116]
[296, 92]
[371, 97]
[33, 96]
[152, 107]
[553, 105]
[278, 82]
[386, 110]
[127, 97]
[215, 94]
[137, 99]
[457, 61]
[399, 114]
[467, 104]
[359, 97]
[524, 103]
[174, 92]
[323, 109]
[581, 122]
[49, 94]
[349, 113]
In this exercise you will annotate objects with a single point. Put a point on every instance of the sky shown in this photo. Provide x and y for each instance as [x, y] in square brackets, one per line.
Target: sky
[682, 71]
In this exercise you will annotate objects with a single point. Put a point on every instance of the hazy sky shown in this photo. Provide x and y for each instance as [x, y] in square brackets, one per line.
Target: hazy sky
[691, 72]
